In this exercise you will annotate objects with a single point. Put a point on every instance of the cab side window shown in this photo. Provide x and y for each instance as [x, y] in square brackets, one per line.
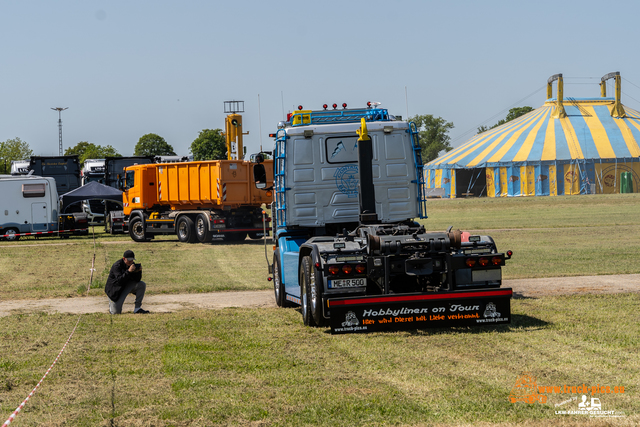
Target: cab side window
[129, 179]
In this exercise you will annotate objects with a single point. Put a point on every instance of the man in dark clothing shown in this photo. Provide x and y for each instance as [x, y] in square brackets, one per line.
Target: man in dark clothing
[124, 279]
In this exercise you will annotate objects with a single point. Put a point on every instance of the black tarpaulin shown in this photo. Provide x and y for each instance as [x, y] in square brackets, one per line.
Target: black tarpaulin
[92, 190]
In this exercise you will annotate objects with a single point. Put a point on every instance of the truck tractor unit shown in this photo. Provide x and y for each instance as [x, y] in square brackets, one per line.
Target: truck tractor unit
[347, 186]
[93, 170]
[197, 200]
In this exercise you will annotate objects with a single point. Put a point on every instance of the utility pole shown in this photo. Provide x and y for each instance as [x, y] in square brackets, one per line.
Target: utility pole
[60, 110]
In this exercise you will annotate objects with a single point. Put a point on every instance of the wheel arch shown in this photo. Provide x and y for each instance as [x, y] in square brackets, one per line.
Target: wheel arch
[138, 213]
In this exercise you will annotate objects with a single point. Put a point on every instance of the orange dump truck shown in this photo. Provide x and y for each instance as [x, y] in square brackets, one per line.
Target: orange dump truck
[197, 200]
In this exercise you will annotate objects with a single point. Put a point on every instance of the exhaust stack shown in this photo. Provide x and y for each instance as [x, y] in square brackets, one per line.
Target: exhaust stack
[366, 189]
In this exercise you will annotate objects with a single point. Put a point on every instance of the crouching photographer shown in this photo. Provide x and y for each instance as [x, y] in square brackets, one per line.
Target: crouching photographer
[125, 277]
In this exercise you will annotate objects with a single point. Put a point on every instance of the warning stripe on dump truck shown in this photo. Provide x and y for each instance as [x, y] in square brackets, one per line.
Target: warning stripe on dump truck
[224, 190]
[37, 233]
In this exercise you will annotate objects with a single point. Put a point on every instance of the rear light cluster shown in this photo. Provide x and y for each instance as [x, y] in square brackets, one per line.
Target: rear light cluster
[347, 269]
[218, 221]
[484, 261]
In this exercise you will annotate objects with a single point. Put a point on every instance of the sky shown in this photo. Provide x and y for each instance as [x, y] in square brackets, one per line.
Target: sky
[127, 68]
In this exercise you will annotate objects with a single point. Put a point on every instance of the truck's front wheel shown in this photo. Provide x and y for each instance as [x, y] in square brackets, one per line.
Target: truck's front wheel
[278, 286]
[136, 230]
[305, 291]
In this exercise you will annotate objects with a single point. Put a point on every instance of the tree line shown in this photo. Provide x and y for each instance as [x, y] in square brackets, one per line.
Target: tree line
[210, 144]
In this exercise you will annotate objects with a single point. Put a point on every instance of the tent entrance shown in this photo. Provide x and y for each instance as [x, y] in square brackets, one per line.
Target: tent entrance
[471, 182]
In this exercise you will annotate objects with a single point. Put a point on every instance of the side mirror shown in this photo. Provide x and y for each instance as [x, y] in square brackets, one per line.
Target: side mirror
[260, 176]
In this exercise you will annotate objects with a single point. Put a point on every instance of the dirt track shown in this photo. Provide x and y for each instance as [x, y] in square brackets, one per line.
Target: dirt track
[522, 288]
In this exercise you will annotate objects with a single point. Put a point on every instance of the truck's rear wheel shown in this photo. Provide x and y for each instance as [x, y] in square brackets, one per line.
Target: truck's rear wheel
[316, 289]
[305, 291]
[136, 230]
[203, 233]
[185, 231]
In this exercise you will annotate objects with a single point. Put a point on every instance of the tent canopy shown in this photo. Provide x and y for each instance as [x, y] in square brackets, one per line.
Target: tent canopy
[538, 154]
[92, 190]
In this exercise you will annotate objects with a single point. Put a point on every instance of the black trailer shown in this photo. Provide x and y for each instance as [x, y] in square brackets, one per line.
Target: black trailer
[64, 169]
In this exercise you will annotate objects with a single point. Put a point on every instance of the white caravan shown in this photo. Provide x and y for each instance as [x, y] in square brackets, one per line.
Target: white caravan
[29, 204]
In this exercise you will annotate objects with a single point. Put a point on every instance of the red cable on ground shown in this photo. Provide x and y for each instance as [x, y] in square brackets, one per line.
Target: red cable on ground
[6, 423]
[38, 233]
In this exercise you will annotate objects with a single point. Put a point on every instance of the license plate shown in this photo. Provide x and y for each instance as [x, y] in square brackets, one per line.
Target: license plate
[219, 226]
[347, 283]
[486, 275]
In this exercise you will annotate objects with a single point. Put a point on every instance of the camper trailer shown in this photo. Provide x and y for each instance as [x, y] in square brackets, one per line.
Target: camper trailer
[29, 204]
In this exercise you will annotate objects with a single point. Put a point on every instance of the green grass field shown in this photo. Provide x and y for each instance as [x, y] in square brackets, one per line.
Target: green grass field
[263, 368]
[550, 237]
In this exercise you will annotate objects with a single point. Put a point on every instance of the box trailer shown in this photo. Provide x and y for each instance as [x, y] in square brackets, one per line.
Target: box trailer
[64, 169]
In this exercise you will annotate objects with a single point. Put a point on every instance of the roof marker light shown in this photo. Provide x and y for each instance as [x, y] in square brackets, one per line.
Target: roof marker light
[335, 106]
[344, 105]
[324, 106]
[299, 107]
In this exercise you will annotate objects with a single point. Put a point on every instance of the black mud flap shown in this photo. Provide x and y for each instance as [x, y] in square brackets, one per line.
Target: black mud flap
[417, 311]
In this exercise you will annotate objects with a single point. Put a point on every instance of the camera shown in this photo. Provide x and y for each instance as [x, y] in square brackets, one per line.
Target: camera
[138, 266]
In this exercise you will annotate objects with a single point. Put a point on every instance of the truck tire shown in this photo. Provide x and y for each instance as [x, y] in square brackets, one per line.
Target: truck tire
[278, 286]
[185, 230]
[203, 233]
[316, 290]
[136, 230]
[304, 279]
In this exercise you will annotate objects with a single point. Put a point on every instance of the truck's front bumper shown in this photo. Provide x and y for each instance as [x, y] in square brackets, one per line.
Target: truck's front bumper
[416, 311]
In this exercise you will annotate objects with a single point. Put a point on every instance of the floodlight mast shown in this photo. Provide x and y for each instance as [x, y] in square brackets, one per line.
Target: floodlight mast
[60, 110]
[233, 129]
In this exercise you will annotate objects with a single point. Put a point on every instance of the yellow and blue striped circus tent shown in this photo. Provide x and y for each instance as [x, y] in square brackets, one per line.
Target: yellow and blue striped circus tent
[567, 146]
